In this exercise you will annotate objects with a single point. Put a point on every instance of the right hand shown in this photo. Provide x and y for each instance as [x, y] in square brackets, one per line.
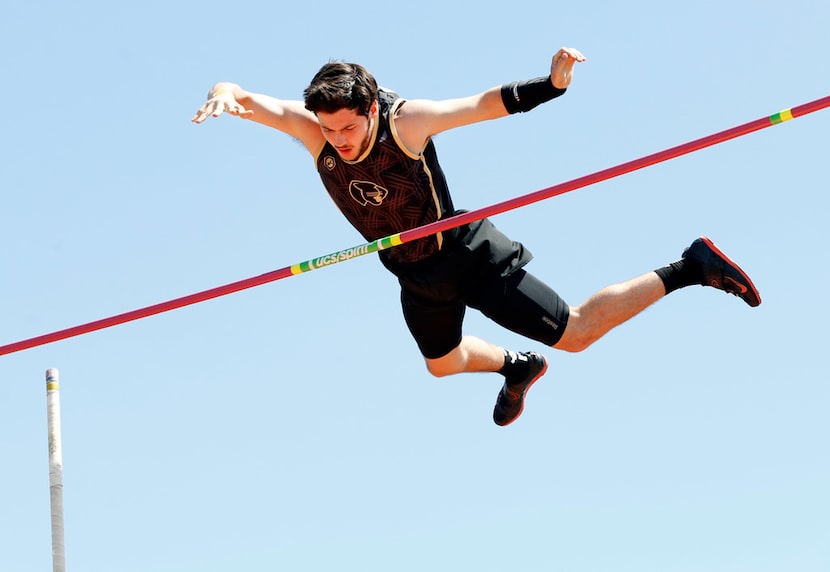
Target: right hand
[220, 102]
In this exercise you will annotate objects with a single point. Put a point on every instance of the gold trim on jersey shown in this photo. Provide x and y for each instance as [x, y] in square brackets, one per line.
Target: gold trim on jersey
[439, 236]
[393, 128]
[319, 151]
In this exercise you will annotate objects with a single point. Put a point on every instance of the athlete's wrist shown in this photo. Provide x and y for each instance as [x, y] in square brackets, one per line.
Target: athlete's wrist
[521, 96]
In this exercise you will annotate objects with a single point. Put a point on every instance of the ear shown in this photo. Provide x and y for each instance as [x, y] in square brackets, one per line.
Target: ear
[373, 110]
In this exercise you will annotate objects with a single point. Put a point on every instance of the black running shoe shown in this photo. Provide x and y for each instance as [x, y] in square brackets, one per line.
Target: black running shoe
[720, 272]
[511, 399]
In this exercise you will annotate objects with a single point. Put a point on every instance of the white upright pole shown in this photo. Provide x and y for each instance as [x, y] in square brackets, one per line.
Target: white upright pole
[53, 413]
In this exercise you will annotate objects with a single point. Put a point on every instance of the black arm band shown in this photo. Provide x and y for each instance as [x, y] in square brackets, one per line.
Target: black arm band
[521, 96]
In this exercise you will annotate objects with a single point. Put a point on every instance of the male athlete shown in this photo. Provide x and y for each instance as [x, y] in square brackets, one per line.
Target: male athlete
[375, 155]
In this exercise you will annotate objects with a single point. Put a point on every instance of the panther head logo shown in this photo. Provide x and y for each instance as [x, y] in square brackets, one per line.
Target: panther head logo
[367, 193]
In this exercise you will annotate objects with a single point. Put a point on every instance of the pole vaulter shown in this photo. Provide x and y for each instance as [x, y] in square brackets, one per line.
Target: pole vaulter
[426, 230]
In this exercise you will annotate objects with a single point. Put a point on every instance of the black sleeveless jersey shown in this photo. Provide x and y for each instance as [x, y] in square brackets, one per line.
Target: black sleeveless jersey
[389, 189]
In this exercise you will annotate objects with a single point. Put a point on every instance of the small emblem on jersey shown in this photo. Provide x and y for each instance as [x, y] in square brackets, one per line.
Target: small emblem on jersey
[367, 193]
[329, 162]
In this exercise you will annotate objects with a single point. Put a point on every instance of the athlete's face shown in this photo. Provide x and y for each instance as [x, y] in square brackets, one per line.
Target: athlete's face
[347, 131]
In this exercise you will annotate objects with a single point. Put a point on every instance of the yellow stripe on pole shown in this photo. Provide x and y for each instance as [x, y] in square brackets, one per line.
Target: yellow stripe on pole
[781, 116]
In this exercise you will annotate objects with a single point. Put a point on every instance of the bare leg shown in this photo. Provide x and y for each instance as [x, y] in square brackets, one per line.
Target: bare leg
[471, 355]
[588, 322]
[609, 308]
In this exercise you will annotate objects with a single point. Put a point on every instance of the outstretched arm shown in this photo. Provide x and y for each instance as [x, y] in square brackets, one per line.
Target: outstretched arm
[420, 119]
[288, 116]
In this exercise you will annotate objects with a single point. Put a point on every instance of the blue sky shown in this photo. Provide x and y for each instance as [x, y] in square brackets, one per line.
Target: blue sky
[293, 426]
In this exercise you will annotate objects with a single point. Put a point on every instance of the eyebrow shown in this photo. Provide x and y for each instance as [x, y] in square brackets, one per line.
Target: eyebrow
[341, 129]
[348, 125]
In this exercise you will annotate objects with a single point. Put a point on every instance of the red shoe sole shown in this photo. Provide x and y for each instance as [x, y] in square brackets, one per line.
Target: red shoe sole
[732, 263]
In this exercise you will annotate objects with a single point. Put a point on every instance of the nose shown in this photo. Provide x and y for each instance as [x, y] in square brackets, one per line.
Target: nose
[339, 139]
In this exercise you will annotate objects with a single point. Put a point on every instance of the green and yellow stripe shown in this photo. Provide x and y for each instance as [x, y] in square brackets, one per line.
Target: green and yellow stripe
[781, 116]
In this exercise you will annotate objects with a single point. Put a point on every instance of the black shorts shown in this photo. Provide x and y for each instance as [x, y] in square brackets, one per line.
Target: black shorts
[478, 267]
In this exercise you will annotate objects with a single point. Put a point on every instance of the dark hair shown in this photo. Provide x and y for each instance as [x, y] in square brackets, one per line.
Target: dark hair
[340, 85]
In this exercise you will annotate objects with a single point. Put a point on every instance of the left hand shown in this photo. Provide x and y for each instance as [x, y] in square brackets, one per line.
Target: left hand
[562, 65]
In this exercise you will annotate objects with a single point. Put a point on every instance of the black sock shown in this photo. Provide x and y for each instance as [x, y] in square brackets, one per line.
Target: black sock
[510, 358]
[684, 272]
[513, 365]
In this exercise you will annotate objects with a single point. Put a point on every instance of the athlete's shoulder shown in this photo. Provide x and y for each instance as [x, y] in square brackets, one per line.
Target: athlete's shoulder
[387, 98]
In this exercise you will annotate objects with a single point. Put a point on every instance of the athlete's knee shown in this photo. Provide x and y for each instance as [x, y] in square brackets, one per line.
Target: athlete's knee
[448, 364]
[436, 367]
[441, 367]
[579, 334]
[575, 344]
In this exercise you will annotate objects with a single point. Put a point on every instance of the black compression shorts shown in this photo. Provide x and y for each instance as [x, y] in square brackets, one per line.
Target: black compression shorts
[479, 267]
